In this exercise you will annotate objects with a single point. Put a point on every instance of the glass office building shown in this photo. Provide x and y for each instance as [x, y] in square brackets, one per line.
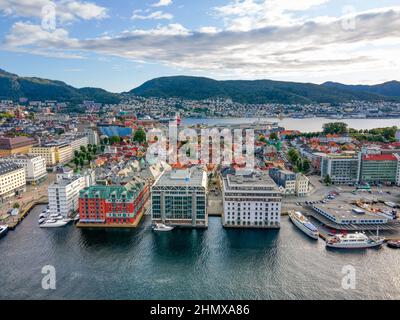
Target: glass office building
[179, 198]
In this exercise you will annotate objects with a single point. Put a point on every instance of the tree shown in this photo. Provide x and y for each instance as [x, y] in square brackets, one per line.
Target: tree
[115, 139]
[16, 205]
[76, 162]
[273, 136]
[139, 136]
[328, 180]
[306, 166]
[105, 140]
[102, 148]
[83, 149]
[335, 128]
[76, 154]
[81, 162]
[94, 149]
[89, 157]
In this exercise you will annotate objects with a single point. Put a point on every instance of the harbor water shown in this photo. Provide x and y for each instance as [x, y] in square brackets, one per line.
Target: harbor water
[188, 264]
[303, 125]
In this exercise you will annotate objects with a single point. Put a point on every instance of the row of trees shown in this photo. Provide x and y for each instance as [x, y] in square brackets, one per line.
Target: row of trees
[84, 155]
[300, 164]
[139, 136]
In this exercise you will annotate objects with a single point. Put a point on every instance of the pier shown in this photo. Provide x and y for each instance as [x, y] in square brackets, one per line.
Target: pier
[14, 221]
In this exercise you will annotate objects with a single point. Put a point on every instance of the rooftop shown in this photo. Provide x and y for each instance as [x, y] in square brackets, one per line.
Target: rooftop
[194, 176]
[7, 167]
[344, 211]
[106, 192]
[252, 180]
[15, 142]
[379, 157]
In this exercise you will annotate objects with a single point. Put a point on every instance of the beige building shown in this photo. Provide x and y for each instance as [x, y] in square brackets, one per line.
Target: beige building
[12, 180]
[15, 145]
[35, 166]
[54, 153]
[48, 153]
[302, 185]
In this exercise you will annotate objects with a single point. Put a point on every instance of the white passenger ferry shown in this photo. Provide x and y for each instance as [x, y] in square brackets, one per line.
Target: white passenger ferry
[301, 222]
[354, 241]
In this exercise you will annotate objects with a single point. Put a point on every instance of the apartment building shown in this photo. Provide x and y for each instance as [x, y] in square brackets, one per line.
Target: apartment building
[12, 180]
[64, 193]
[113, 205]
[251, 200]
[341, 168]
[290, 183]
[286, 180]
[35, 166]
[302, 185]
[179, 198]
[15, 145]
[55, 153]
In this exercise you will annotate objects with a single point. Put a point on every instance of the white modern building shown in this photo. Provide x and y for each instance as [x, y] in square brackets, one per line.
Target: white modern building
[64, 192]
[12, 180]
[35, 166]
[179, 198]
[251, 200]
[93, 136]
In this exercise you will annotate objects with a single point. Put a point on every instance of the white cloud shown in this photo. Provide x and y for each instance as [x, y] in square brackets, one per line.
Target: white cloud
[156, 15]
[245, 15]
[208, 30]
[303, 49]
[162, 3]
[66, 10]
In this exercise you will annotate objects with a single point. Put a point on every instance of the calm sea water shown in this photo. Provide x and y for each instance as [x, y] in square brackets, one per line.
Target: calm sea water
[303, 125]
[188, 264]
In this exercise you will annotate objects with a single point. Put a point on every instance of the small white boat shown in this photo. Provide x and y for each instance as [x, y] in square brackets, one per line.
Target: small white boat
[354, 241]
[3, 230]
[42, 220]
[51, 223]
[56, 216]
[44, 214]
[162, 227]
[301, 222]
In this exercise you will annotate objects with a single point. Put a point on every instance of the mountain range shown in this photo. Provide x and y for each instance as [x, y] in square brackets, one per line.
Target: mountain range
[13, 87]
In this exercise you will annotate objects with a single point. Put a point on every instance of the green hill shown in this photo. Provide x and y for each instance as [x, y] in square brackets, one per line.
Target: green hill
[258, 91]
[14, 87]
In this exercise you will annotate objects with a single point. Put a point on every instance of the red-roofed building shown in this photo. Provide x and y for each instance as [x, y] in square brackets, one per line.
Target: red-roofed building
[380, 168]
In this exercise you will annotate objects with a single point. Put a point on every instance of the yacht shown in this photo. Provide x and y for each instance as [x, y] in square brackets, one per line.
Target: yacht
[3, 230]
[51, 223]
[44, 214]
[301, 222]
[395, 244]
[354, 241]
[162, 227]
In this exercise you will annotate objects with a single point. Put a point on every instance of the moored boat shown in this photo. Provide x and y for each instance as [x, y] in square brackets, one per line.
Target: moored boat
[160, 227]
[51, 223]
[395, 244]
[3, 230]
[354, 241]
[301, 222]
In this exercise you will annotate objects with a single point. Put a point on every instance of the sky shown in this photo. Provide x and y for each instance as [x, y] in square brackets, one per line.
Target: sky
[117, 45]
